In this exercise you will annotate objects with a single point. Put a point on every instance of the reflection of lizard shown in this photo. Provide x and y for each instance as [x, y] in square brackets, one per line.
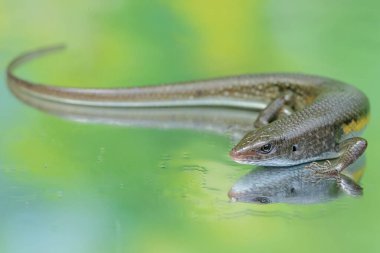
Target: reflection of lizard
[264, 185]
[303, 118]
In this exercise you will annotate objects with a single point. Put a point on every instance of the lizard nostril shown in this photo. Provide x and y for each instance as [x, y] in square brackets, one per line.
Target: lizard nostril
[233, 153]
[237, 153]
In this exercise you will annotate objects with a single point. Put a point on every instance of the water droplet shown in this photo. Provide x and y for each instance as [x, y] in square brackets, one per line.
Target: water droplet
[194, 168]
[185, 156]
[59, 194]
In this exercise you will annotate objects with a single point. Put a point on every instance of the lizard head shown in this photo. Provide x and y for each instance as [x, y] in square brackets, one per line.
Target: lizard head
[262, 146]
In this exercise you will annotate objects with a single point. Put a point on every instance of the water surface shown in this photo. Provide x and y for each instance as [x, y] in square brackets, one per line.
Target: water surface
[66, 186]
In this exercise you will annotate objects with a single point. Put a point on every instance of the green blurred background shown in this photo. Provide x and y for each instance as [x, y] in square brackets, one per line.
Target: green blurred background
[71, 187]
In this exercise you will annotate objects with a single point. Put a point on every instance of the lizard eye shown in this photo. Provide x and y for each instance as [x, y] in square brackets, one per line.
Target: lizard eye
[261, 200]
[265, 149]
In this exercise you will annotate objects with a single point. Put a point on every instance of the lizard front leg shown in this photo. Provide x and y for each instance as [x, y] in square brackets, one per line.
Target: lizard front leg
[349, 151]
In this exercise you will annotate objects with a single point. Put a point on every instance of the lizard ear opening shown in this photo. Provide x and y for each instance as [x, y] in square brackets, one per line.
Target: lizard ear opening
[295, 148]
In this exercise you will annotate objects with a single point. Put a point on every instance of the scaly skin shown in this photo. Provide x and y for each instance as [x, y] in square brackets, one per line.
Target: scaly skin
[305, 118]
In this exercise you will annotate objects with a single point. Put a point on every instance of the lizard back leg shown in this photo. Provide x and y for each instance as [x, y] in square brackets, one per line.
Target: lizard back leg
[274, 108]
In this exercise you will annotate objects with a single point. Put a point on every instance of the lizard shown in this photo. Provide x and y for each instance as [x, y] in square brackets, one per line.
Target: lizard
[303, 118]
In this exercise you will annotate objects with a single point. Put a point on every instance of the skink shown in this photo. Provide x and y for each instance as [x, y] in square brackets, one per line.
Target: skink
[303, 118]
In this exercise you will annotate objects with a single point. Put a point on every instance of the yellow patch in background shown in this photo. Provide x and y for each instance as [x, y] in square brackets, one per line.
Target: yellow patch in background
[232, 35]
[358, 174]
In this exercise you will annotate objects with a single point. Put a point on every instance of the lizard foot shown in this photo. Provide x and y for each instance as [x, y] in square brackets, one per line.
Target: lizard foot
[327, 169]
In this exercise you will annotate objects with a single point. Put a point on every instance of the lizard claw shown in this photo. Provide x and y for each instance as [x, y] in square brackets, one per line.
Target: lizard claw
[326, 169]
